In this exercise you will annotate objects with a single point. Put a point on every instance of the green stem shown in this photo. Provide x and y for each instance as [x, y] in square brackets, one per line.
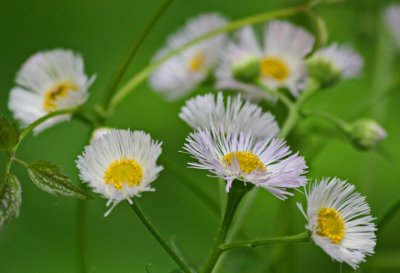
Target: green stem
[80, 230]
[144, 73]
[336, 121]
[301, 237]
[123, 66]
[39, 121]
[235, 195]
[389, 215]
[178, 260]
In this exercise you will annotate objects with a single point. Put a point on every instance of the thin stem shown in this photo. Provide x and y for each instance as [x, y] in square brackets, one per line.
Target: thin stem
[123, 66]
[39, 121]
[388, 216]
[235, 195]
[336, 121]
[178, 260]
[144, 73]
[80, 232]
[19, 161]
[301, 237]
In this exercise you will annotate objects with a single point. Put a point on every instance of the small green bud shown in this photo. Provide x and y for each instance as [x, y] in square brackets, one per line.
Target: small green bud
[246, 69]
[323, 71]
[366, 133]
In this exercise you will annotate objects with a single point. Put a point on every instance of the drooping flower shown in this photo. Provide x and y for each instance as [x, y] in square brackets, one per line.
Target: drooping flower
[234, 155]
[49, 81]
[332, 63]
[392, 17]
[281, 60]
[207, 111]
[184, 72]
[120, 165]
[340, 221]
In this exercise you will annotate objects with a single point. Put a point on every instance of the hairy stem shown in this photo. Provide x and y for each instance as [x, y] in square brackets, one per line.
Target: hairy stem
[123, 66]
[301, 237]
[178, 260]
[235, 195]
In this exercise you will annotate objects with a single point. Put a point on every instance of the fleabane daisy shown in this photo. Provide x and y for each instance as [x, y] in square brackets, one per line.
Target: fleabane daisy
[49, 81]
[184, 72]
[332, 63]
[392, 17]
[120, 165]
[340, 221]
[236, 155]
[280, 60]
[207, 111]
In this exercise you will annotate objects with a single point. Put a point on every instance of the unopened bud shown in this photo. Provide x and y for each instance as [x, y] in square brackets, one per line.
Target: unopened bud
[246, 68]
[366, 133]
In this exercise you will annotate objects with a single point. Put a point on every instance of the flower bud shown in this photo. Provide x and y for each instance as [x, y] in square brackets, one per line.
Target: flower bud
[246, 68]
[323, 72]
[100, 132]
[366, 133]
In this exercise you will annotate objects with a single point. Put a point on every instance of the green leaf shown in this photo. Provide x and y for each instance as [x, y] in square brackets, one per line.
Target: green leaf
[10, 198]
[48, 177]
[9, 134]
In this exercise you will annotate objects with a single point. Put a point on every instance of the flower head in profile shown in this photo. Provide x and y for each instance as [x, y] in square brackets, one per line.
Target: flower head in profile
[340, 221]
[184, 72]
[234, 155]
[332, 63]
[49, 81]
[207, 111]
[392, 17]
[280, 60]
[120, 165]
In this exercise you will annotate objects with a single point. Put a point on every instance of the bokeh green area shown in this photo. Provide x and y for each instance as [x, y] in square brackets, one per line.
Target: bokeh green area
[43, 239]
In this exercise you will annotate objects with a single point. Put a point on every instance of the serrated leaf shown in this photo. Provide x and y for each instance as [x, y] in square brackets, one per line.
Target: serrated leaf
[48, 177]
[10, 198]
[9, 134]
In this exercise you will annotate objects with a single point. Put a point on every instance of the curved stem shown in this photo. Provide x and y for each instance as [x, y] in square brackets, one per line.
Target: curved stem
[235, 195]
[144, 73]
[123, 66]
[39, 121]
[389, 215]
[178, 260]
[336, 121]
[301, 237]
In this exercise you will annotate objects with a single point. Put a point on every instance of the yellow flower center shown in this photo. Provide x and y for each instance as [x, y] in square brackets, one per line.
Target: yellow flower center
[331, 225]
[123, 171]
[196, 63]
[275, 68]
[248, 161]
[55, 93]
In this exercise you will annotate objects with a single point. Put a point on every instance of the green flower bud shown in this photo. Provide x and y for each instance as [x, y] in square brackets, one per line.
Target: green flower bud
[366, 133]
[246, 69]
[323, 71]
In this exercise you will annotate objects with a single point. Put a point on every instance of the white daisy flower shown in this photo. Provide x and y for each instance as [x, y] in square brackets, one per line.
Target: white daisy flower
[208, 111]
[120, 165]
[49, 81]
[339, 221]
[392, 17]
[232, 155]
[281, 59]
[184, 72]
[343, 61]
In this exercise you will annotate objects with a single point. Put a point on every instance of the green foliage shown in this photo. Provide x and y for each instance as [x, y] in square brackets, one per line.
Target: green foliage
[10, 196]
[9, 134]
[48, 177]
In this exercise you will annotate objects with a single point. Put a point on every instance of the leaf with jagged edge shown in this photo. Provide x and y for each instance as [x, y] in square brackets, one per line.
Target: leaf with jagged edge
[9, 134]
[48, 177]
[10, 198]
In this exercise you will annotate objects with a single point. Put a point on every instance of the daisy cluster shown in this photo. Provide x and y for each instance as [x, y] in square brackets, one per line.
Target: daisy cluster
[233, 138]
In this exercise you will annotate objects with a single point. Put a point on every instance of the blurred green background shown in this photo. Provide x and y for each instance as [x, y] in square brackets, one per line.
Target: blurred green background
[43, 238]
